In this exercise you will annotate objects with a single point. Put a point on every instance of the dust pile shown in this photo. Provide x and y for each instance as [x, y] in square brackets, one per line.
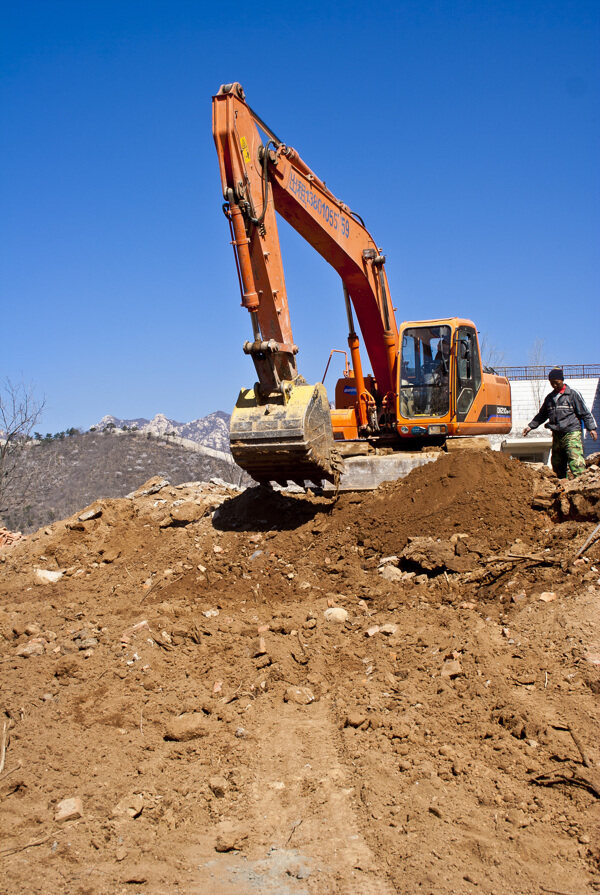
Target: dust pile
[212, 690]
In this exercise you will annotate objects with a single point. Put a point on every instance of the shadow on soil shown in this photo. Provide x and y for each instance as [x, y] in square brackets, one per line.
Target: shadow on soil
[261, 509]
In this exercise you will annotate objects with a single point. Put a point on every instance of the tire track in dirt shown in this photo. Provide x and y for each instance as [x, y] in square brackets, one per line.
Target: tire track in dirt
[298, 810]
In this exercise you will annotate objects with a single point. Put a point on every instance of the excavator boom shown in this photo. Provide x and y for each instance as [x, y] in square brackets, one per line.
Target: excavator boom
[272, 436]
[260, 179]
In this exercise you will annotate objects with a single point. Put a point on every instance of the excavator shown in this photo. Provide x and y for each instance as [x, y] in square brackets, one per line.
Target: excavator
[427, 384]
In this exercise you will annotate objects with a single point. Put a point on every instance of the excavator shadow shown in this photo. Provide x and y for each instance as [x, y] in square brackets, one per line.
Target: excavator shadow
[261, 509]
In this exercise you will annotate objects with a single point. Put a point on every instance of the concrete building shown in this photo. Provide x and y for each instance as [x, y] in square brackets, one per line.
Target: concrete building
[529, 387]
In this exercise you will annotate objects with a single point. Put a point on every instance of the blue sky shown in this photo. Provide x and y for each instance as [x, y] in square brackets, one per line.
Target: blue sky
[466, 134]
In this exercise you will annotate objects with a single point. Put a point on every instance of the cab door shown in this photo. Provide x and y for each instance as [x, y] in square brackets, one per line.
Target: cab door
[468, 370]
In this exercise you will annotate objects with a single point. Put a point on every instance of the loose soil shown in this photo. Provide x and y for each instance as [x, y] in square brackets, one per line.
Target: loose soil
[184, 679]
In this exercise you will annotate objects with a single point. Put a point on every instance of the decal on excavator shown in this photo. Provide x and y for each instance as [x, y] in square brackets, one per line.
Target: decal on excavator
[493, 412]
[245, 150]
[305, 195]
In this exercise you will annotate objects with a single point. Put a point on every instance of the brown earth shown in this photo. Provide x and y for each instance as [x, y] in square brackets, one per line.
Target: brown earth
[184, 679]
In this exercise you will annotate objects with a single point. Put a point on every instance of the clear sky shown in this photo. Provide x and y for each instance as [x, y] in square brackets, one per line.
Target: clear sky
[466, 134]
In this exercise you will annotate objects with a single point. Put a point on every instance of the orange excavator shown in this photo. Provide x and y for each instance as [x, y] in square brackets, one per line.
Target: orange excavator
[427, 383]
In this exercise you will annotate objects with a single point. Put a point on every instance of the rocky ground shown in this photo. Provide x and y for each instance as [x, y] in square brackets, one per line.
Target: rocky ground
[214, 691]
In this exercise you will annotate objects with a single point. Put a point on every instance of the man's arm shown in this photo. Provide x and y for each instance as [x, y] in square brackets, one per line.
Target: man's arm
[540, 417]
[584, 414]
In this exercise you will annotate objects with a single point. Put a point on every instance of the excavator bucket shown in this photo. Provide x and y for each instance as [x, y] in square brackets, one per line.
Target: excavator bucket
[281, 438]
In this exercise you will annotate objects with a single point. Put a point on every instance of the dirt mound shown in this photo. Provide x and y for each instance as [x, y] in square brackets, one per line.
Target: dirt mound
[482, 494]
[208, 690]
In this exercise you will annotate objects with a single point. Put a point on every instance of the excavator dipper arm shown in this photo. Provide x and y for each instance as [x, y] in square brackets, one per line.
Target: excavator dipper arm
[258, 179]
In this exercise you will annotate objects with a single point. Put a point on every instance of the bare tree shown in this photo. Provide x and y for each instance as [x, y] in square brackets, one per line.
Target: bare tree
[537, 358]
[19, 413]
[491, 356]
[537, 353]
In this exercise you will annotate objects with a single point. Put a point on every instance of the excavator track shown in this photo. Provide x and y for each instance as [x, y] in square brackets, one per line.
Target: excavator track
[285, 437]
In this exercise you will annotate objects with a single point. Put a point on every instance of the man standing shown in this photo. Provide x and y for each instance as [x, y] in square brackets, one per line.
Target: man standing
[565, 410]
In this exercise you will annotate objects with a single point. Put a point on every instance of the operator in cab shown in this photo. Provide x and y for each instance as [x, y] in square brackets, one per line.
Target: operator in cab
[442, 357]
[566, 412]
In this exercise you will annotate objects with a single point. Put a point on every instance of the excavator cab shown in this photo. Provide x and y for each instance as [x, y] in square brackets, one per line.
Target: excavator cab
[443, 388]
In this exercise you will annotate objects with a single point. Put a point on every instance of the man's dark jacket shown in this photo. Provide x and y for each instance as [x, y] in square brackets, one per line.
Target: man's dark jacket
[565, 412]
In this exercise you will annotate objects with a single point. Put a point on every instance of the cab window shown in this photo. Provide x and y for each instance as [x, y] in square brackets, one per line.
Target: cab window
[468, 370]
[424, 371]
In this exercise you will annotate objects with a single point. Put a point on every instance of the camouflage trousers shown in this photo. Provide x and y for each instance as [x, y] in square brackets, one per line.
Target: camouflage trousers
[567, 453]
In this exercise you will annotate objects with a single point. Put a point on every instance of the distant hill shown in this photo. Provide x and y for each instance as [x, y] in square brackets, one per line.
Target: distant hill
[211, 431]
[56, 477]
